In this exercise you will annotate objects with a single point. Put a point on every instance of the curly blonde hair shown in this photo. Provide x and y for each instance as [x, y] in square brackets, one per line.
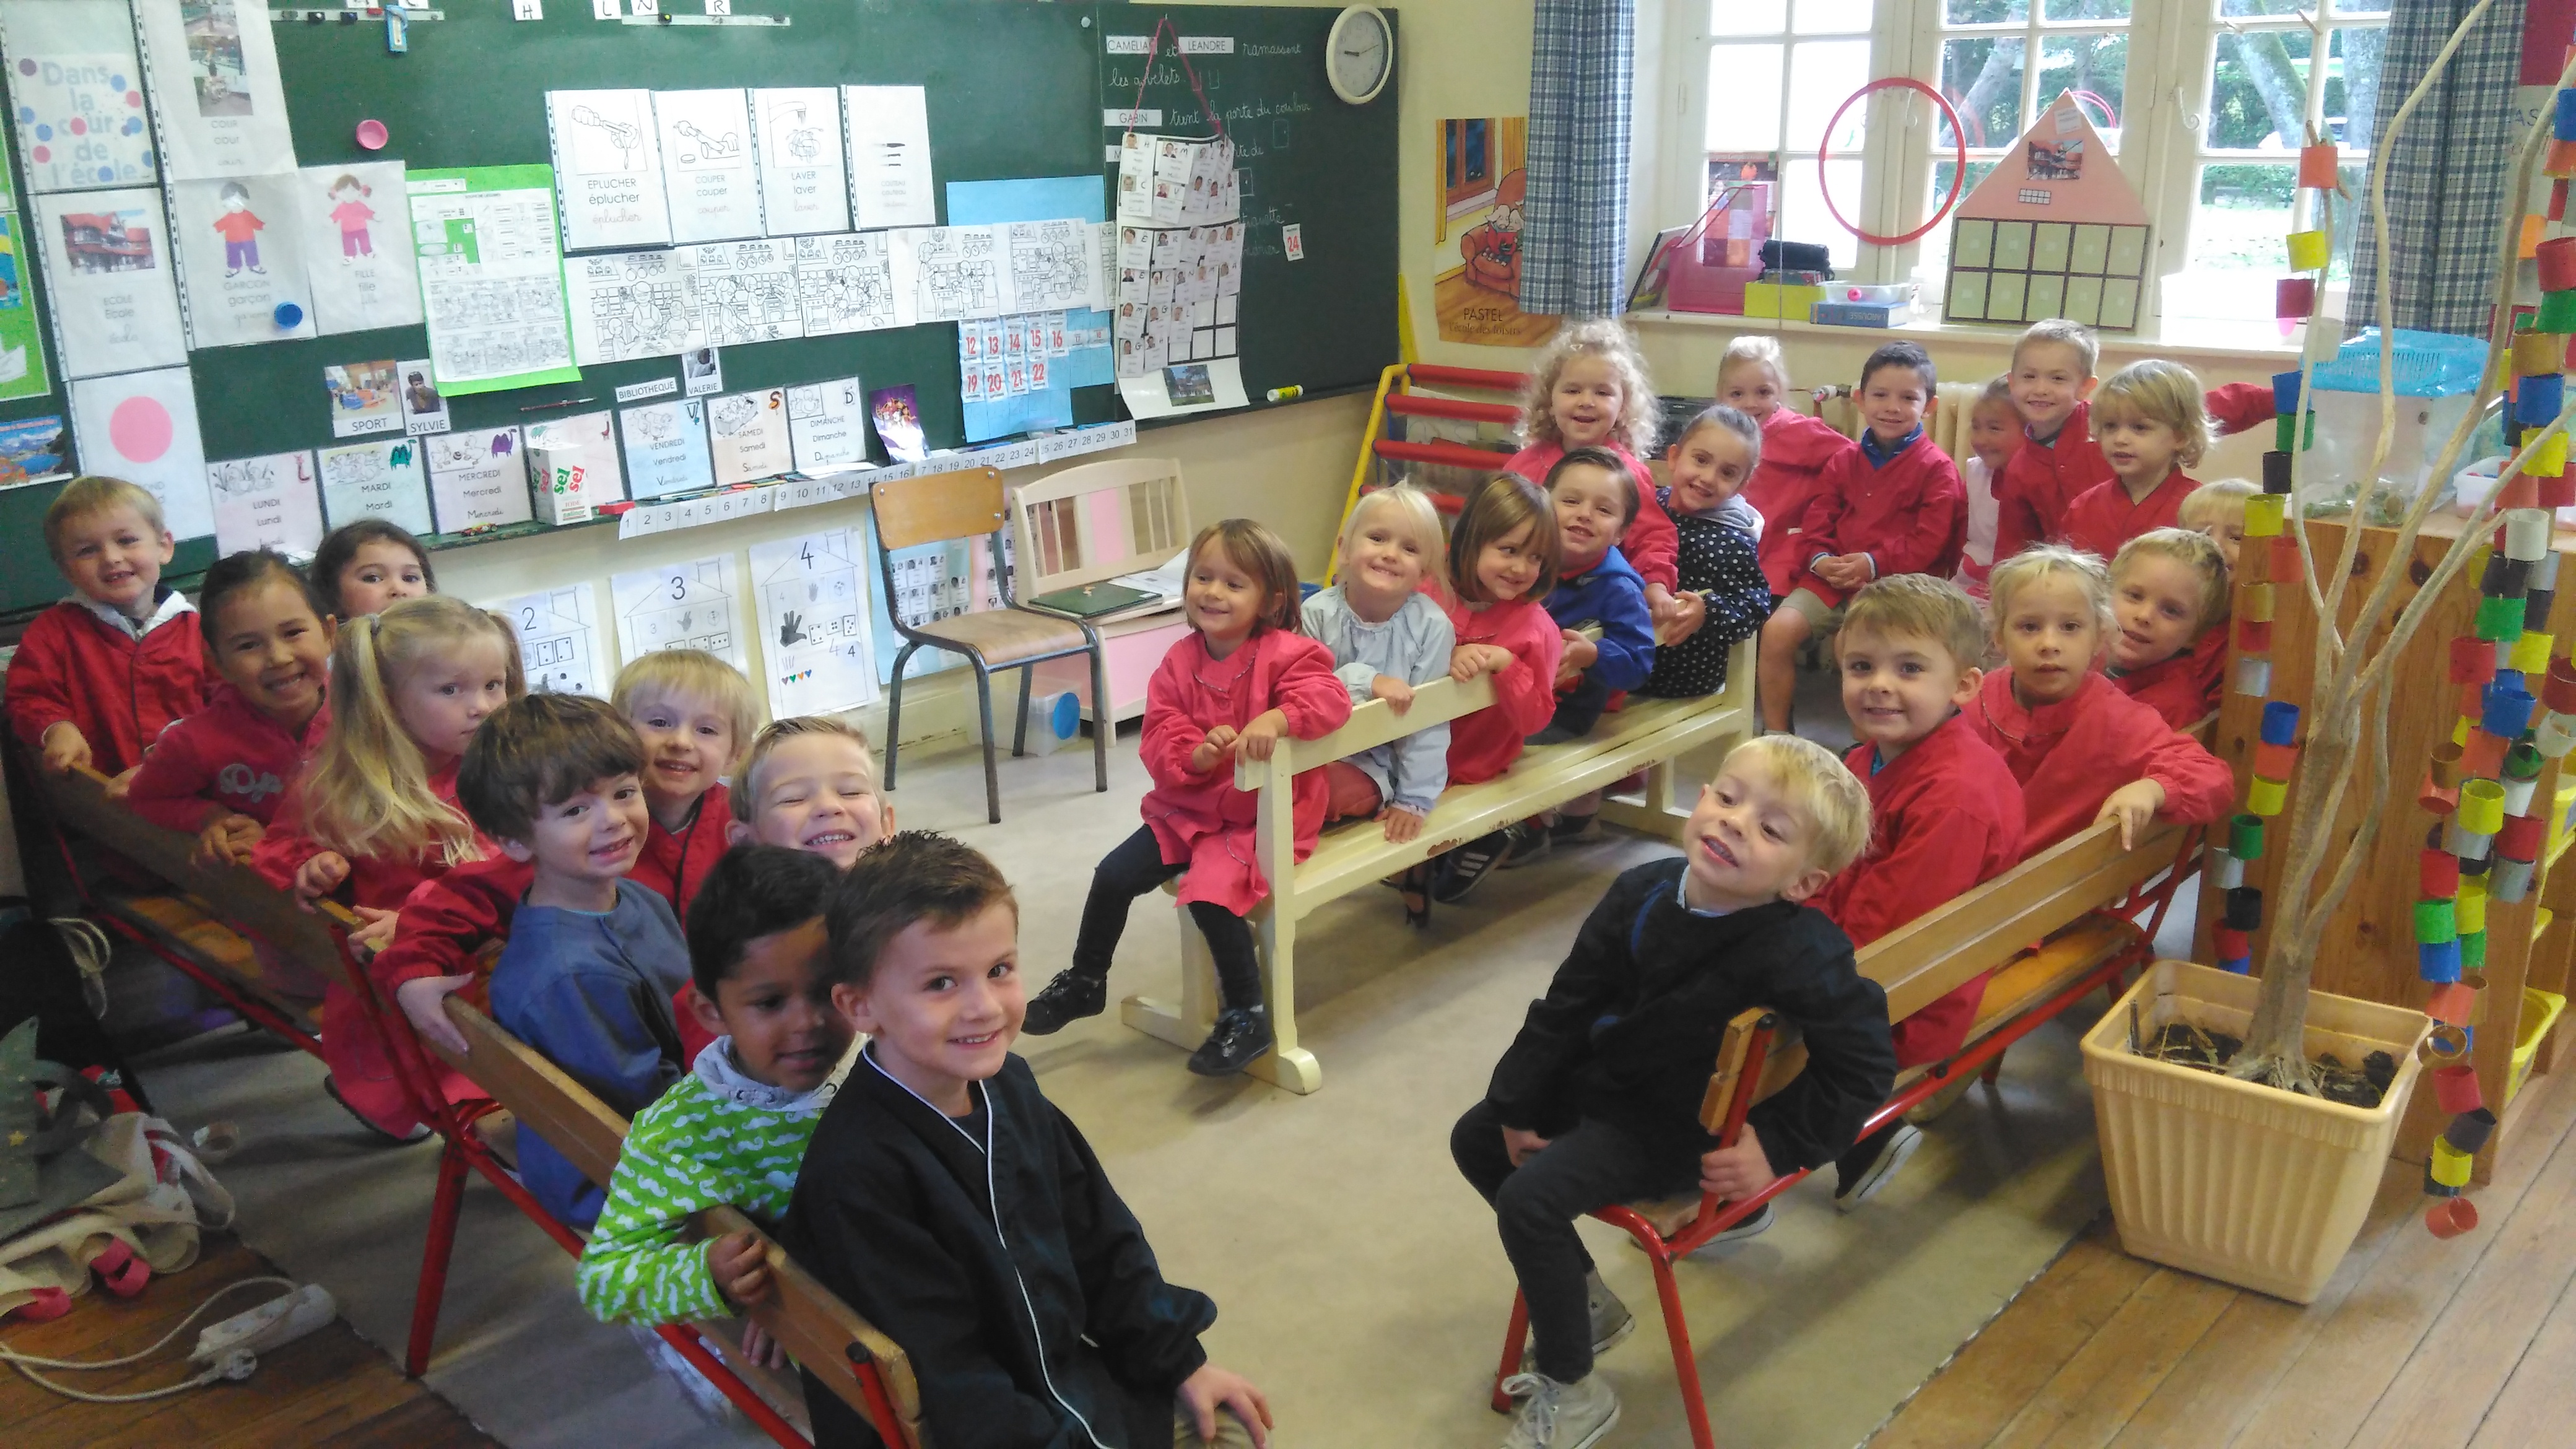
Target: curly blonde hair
[1606, 339]
[2192, 549]
[2161, 392]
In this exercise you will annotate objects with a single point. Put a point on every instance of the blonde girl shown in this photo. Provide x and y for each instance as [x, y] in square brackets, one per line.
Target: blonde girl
[375, 814]
[2168, 645]
[1244, 676]
[2148, 422]
[2218, 509]
[1388, 637]
[1503, 557]
[1753, 378]
[1589, 390]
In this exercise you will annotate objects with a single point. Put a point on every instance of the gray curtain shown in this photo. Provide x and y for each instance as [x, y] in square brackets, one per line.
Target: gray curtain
[2447, 175]
[1575, 240]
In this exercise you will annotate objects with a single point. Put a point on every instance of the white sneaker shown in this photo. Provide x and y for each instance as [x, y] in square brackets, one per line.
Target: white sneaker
[1560, 1416]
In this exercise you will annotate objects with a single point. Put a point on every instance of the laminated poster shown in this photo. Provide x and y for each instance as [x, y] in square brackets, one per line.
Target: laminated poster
[890, 179]
[76, 94]
[477, 479]
[897, 415]
[142, 427]
[269, 502]
[846, 283]
[375, 480]
[356, 232]
[241, 260]
[216, 99]
[743, 292]
[491, 277]
[107, 265]
[804, 182]
[366, 397]
[827, 426]
[22, 353]
[812, 602]
[666, 449]
[695, 604]
[34, 450]
[749, 433]
[558, 640]
[708, 165]
[608, 165]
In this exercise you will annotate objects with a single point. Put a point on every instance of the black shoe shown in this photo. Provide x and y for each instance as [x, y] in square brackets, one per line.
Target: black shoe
[1575, 829]
[1460, 869]
[1239, 1037]
[1070, 997]
[1871, 1162]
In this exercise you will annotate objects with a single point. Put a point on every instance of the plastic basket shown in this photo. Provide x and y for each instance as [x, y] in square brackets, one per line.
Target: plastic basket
[2425, 364]
[2539, 1013]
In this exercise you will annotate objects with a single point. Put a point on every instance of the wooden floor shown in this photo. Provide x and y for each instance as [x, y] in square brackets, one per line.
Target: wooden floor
[2415, 1343]
[327, 1390]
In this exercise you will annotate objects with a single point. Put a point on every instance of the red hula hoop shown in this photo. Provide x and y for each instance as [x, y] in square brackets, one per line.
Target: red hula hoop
[1958, 177]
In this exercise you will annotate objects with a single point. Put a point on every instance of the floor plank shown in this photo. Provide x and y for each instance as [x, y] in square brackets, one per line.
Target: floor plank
[2539, 1400]
[2088, 1400]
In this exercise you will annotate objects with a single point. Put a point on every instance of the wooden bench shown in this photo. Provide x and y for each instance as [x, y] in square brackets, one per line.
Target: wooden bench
[1648, 735]
[2082, 895]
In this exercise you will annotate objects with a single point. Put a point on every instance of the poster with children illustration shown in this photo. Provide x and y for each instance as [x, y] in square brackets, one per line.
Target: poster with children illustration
[375, 480]
[76, 94]
[358, 261]
[268, 502]
[216, 99]
[241, 260]
[106, 257]
[142, 427]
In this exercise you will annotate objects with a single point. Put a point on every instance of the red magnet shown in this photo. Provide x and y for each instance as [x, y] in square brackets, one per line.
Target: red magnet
[2473, 660]
[2437, 874]
[372, 134]
[2274, 762]
[2557, 258]
[2520, 839]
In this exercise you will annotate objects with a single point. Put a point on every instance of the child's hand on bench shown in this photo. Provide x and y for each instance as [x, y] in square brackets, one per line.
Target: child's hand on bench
[423, 1000]
[1210, 1389]
[1401, 824]
[2134, 805]
[66, 748]
[227, 840]
[1260, 739]
[1689, 612]
[740, 1266]
[1469, 660]
[1397, 694]
[375, 931]
[1580, 654]
[320, 876]
[122, 784]
[1737, 1172]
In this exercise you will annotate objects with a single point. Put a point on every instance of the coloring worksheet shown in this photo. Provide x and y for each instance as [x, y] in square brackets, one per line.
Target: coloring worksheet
[376, 480]
[627, 305]
[107, 267]
[742, 292]
[804, 182]
[827, 426]
[216, 100]
[76, 94]
[477, 479]
[558, 640]
[957, 272]
[1053, 264]
[748, 431]
[812, 603]
[491, 278]
[356, 228]
[890, 180]
[608, 169]
[708, 169]
[142, 427]
[271, 502]
[846, 283]
[241, 260]
[692, 605]
[666, 449]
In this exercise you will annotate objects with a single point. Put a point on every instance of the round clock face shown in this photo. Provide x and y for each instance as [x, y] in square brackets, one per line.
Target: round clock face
[1363, 54]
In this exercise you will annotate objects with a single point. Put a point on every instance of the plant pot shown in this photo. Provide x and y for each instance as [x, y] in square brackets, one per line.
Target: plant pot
[2246, 1184]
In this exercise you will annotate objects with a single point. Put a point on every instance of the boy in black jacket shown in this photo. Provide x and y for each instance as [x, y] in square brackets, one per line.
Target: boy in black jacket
[1597, 1101]
[949, 1202]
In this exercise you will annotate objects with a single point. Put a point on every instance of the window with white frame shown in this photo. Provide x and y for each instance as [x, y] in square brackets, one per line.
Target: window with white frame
[1782, 67]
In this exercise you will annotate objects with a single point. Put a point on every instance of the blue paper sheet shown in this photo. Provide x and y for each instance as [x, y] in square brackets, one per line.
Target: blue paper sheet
[1042, 198]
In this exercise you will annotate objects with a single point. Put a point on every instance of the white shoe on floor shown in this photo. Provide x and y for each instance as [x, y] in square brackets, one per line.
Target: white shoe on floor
[1560, 1416]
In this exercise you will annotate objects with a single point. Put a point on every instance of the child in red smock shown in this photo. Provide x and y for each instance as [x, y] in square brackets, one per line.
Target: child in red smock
[1753, 379]
[1503, 559]
[1589, 390]
[1242, 678]
[2169, 601]
[2148, 423]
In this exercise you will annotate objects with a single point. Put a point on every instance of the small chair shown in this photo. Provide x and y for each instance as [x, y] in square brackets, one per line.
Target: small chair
[943, 508]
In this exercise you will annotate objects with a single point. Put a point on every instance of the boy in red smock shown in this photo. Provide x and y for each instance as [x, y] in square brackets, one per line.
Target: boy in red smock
[2169, 603]
[2148, 423]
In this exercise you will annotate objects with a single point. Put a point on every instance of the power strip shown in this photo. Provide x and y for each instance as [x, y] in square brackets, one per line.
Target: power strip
[269, 1327]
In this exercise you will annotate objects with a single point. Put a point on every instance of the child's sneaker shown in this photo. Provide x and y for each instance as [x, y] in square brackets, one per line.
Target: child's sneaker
[1460, 869]
[1611, 1320]
[1871, 1162]
[1071, 996]
[1575, 829]
[1560, 1416]
[1240, 1036]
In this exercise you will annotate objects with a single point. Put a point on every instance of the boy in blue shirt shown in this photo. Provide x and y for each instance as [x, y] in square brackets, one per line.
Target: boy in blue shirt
[594, 959]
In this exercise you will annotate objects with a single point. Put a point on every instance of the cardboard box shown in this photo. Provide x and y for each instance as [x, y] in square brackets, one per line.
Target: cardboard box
[573, 468]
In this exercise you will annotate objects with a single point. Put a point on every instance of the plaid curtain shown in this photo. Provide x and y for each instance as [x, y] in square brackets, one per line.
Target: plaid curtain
[1575, 239]
[2447, 175]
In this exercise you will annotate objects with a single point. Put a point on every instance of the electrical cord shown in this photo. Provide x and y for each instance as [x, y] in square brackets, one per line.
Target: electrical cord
[235, 1365]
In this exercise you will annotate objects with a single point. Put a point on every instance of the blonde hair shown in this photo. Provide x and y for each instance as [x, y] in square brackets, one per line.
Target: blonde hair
[779, 732]
[2192, 549]
[1760, 348]
[1605, 339]
[1414, 518]
[1922, 607]
[2065, 334]
[2045, 561]
[2211, 504]
[1819, 787]
[1998, 390]
[93, 493]
[692, 674]
[1497, 511]
[2161, 392]
[367, 794]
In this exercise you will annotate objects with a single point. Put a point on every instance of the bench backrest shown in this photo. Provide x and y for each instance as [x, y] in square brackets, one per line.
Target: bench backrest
[1082, 525]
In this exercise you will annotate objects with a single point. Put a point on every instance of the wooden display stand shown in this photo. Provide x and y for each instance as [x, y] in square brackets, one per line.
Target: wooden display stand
[2369, 948]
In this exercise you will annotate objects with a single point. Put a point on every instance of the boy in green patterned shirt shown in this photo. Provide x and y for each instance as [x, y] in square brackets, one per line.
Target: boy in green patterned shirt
[734, 1129]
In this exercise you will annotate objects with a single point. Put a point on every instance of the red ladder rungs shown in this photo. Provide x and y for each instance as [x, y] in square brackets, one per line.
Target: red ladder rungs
[1454, 455]
[1438, 376]
[1416, 405]
[1449, 503]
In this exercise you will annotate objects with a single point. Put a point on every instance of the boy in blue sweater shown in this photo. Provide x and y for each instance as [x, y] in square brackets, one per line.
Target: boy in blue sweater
[593, 959]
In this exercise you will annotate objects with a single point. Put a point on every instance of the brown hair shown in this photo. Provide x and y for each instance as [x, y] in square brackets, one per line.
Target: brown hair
[1497, 511]
[96, 493]
[1608, 462]
[540, 750]
[1922, 607]
[342, 545]
[1253, 548]
[913, 877]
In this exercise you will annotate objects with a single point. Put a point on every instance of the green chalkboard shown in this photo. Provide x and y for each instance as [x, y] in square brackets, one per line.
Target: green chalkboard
[1015, 90]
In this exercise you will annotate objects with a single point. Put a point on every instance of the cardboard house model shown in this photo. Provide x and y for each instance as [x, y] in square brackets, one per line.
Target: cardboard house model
[2055, 230]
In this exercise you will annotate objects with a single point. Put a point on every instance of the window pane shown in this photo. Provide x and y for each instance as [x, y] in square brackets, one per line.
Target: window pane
[1747, 17]
[2258, 90]
[2244, 216]
[1744, 97]
[2361, 7]
[1935, 262]
[1982, 12]
[2235, 8]
[1981, 78]
[2095, 68]
[1803, 216]
[1822, 75]
[1833, 17]
[2352, 85]
[2085, 10]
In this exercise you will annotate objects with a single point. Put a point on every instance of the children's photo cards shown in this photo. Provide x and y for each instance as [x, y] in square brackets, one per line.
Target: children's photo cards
[375, 480]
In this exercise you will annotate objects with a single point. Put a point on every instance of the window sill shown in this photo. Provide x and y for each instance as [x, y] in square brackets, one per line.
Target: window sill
[2200, 339]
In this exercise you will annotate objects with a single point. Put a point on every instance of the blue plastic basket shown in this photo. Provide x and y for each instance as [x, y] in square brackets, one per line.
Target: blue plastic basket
[2425, 364]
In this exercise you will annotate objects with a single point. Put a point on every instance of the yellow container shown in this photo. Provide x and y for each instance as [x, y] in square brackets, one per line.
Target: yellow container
[1781, 301]
[2539, 1013]
[2559, 817]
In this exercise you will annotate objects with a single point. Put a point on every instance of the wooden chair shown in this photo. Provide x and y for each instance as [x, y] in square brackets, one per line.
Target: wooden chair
[942, 509]
[1095, 522]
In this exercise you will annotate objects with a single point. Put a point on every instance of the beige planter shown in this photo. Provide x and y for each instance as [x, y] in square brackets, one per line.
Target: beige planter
[2245, 1184]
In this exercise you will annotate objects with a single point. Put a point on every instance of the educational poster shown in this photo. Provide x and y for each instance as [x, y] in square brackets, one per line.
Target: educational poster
[1178, 293]
[846, 283]
[1087, 360]
[708, 172]
[627, 305]
[424, 410]
[572, 466]
[827, 426]
[477, 479]
[33, 450]
[271, 502]
[216, 100]
[356, 231]
[890, 181]
[666, 449]
[1176, 181]
[558, 640]
[366, 397]
[957, 272]
[107, 266]
[812, 602]
[1052, 264]
[749, 435]
[241, 260]
[804, 182]
[22, 353]
[142, 427]
[1480, 198]
[691, 605]
[742, 292]
[608, 166]
[76, 94]
[375, 480]
[897, 416]
[491, 278]
[1184, 387]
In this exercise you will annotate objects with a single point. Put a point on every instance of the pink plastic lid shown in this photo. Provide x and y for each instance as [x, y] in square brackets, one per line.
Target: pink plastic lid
[372, 134]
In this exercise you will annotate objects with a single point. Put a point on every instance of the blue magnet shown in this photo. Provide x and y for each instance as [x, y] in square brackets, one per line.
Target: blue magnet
[2285, 392]
[288, 316]
[2564, 127]
[2508, 711]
